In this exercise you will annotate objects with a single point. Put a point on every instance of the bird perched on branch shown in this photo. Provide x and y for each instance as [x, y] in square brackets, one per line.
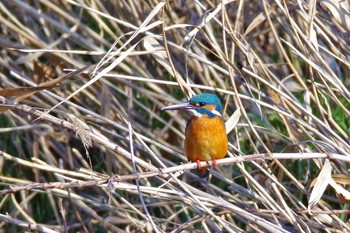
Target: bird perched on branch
[205, 135]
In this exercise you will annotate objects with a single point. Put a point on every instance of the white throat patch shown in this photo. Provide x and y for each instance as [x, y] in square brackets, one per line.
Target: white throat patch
[216, 113]
[197, 114]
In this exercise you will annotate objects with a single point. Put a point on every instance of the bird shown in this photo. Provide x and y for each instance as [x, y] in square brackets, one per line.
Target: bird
[205, 133]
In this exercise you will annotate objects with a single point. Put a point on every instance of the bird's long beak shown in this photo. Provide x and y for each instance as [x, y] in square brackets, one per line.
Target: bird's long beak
[182, 106]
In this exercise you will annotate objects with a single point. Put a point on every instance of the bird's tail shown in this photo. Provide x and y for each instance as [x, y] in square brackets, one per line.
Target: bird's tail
[203, 172]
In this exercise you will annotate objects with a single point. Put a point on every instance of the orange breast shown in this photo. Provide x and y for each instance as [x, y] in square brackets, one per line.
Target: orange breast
[206, 139]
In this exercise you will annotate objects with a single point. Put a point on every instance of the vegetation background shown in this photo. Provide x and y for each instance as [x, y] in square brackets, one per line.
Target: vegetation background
[84, 146]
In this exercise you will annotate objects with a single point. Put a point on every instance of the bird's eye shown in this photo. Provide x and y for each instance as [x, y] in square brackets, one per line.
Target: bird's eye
[198, 104]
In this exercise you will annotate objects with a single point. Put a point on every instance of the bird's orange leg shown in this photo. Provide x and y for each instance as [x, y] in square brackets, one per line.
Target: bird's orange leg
[198, 164]
[214, 163]
[202, 172]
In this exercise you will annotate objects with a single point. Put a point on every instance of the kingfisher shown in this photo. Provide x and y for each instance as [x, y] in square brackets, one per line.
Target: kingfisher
[205, 134]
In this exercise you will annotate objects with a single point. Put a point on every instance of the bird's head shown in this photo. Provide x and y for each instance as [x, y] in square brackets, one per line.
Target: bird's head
[203, 104]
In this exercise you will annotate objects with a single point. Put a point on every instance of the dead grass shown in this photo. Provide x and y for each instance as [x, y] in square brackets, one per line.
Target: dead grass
[85, 147]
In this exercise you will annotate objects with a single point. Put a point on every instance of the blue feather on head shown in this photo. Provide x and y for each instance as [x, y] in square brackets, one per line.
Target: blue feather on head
[206, 99]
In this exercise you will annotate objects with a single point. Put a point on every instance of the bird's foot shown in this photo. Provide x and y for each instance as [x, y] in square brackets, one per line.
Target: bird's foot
[214, 163]
[202, 172]
[198, 164]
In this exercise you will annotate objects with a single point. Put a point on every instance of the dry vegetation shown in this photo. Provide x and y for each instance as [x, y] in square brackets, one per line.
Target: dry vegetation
[84, 146]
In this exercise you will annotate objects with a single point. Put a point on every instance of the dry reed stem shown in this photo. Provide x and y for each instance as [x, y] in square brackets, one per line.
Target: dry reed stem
[95, 152]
